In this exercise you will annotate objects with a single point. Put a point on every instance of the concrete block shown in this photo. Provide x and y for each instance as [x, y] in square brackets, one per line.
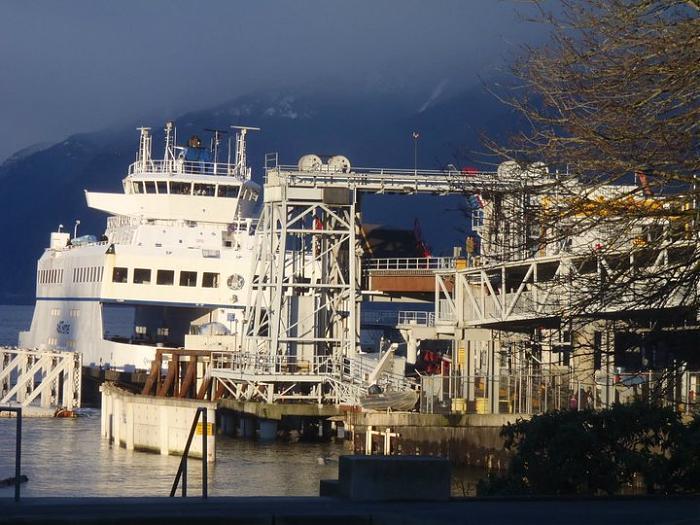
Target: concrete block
[393, 478]
[329, 487]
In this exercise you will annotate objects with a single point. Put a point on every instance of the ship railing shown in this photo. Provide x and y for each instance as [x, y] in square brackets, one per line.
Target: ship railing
[82, 245]
[409, 263]
[179, 166]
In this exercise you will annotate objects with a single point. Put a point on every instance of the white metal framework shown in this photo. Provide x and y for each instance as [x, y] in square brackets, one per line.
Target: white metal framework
[51, 377]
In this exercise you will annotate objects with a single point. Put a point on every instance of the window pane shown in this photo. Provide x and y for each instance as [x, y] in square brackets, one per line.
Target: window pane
[165, 277]
[180, 188]
[119, 275]
[150, 186]
[210, 280]
[188, 278]
[162, 186]
[142, 276]
[228, 191]
[206, 190]
[137, 187]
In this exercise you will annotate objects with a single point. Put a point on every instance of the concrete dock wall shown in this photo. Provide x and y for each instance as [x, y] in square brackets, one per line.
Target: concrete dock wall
[469, 439]
[155, 424]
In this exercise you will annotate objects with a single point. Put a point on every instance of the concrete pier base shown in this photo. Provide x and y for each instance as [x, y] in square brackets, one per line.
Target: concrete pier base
[155, 424]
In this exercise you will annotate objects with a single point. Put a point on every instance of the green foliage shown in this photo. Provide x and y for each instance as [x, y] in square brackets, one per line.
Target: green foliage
[587, 452]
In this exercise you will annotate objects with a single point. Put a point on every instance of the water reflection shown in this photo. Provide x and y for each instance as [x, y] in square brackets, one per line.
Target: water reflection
[64, 457]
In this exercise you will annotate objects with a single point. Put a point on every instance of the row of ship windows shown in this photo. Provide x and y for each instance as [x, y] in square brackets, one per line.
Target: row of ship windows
[53, 341]
[88, 274]
[163, 187]
[164, 277]
[50, 276]
[55, 312]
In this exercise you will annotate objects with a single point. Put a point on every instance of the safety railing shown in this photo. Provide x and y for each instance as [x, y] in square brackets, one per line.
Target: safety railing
[182, 469]
[409, 263]
[379, 317]
[416, 317]
[18, 448]
[266, 364]
[179, 166]
[520, 392]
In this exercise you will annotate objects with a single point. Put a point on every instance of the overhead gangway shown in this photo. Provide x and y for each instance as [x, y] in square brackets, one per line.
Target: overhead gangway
[403, 181]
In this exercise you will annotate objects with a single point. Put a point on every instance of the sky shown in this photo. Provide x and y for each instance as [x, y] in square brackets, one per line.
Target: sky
[70, 66]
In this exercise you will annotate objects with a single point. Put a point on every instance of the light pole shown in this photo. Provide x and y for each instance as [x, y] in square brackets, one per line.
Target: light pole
[416, 136]
[75, 228]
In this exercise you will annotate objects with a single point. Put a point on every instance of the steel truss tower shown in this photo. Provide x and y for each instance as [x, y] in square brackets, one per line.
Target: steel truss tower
[302, 323]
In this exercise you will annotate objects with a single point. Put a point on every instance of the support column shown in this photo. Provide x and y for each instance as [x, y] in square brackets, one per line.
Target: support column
[268, 429]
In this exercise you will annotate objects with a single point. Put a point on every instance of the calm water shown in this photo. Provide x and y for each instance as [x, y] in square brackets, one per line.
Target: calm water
[68, 457]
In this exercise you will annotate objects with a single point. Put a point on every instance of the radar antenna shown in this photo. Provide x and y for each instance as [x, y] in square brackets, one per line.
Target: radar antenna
[241, 168]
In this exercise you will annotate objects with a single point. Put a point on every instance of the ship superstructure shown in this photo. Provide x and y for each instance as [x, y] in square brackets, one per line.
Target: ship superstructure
[174, 260]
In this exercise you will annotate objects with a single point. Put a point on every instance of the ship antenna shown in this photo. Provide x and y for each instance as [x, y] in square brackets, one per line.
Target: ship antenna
[144, 147]
[215, 142]
[241, 168]
[169, 142]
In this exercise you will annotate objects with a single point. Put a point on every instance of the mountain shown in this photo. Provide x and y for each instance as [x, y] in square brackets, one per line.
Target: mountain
[43, 186]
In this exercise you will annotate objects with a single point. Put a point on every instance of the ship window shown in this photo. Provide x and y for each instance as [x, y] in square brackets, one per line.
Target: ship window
[188, 278]
[163, 332]
[165, 277]
[137, 187]
[142, 276]
[150, 186]
[119, 275]
[254, 196]
[162, 186]
[228, 191]
[180, 188]
[206, 190]
[140, 330]
[210, 280]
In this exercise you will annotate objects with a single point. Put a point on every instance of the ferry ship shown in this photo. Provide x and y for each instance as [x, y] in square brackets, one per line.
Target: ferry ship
[173, 262]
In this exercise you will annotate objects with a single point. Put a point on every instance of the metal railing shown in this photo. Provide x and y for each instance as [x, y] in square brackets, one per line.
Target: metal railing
[379, 317]
[416, 317]
[394, 317]
[179, 166]
[409, 263]
[182, 469]
[18, 447]
[520, 392]
[266, 364]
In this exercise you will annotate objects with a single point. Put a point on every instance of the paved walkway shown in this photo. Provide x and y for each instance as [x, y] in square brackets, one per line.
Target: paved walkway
[278, 511]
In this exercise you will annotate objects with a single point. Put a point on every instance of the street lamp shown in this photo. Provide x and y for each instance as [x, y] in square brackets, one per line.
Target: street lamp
[416, 136]
[75, 228]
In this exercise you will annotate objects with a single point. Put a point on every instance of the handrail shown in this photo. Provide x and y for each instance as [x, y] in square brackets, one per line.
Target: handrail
[18, 447]
[180, 166]
[182, 469]
[409, 263]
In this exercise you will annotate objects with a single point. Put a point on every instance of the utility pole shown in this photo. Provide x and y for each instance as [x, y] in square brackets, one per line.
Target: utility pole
[416, 136]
